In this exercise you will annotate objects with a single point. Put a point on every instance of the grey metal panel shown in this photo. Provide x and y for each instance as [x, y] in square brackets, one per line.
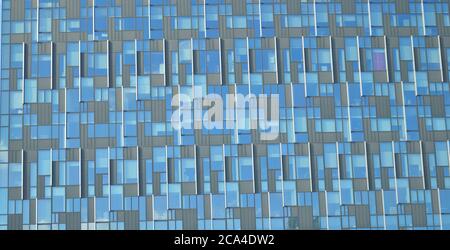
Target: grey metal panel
[265, 204]
[419, 218]
[130, 190]
[362, 215]
[156, 184]
[131, 220]
[322, 204]
[360, 184]
[41, 187]
[15, 221]
[248, 218]
[72, 220]
[207, 207]
[190, 219]
[32, 211]
[91, 209]
[246, 187]
[383, 107]
[188, 188]
[44, 114]
[327, 110]
[306, 217]
[73, 192]
[437, 106]
[238, 7]
[149, 206]
[128, 8]
[98, 185]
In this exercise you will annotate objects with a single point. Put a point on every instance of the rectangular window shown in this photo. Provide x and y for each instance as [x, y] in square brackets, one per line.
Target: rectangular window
[302, 165]
[16, 127]
[73, 54]
[212, 61]
[44, 163]
[16, 55]
[441, 154]
[44, 66]
[239, 22]
[188, 170]
[87, 89]
[131, 171]
[154, 63]
[73, 126]
[15, 174]
[379, 60]
[143, 87]
[264, 60]
[433, 59]
[73, 173]
[245, 169]
[405, 49]
[359, 166]
[30, 91]
[101, 64]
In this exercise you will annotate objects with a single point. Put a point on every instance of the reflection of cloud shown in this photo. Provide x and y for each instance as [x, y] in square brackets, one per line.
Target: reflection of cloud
[159, 216]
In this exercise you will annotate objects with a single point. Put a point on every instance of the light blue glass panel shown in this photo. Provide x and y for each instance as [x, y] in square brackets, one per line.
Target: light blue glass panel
[15, 175]
[188, 170]
[73, 173]
[44, 163]
[44, 211]
[245, 168]
[101, 209]
[131, 171]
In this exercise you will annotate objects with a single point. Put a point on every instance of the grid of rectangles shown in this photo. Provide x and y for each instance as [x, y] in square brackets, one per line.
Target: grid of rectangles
[85, 105]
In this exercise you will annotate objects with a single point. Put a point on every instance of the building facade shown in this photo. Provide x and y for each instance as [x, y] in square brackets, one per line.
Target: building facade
[87, 140]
